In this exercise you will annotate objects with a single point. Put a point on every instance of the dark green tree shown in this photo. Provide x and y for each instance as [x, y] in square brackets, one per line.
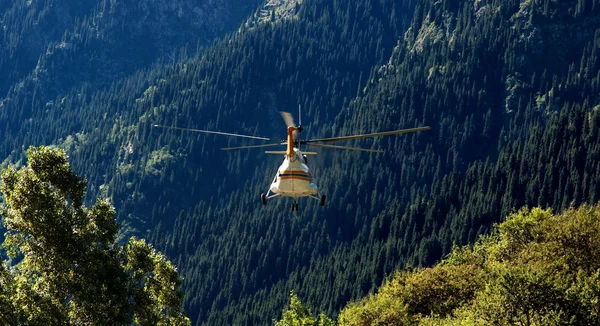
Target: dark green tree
[298, 314]
[70, 271]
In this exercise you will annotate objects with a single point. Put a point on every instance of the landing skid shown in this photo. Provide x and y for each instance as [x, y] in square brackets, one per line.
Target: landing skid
[269, 195]
[321, 200]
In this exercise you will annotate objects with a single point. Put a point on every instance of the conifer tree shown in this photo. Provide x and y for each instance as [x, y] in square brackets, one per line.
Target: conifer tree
[298, 314]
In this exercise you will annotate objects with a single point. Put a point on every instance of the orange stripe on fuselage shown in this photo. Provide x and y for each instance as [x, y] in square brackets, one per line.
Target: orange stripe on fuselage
[293, 171]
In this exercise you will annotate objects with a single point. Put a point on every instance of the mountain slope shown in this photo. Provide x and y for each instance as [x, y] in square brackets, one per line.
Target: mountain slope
[509, 129]
[535, 268]
[59, 44]
[209, 95]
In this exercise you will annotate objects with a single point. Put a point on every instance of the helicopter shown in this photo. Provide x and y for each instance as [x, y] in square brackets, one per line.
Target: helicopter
[293, 177]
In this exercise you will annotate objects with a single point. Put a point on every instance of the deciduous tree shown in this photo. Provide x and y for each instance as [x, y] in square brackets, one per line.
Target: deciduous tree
[67, 268]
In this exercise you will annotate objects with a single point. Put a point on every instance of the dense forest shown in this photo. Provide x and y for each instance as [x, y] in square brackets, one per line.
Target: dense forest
[510, 89]
[52, 46]
[535, 268]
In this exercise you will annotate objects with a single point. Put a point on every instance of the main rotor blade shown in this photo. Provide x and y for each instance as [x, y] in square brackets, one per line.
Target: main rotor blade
[211, 132]
[377, 134]
[252, 146]
[289, 121]
[346, 147]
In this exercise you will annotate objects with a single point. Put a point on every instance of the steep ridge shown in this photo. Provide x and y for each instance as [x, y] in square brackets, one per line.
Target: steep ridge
[27, 29]
[429, 191]
[153, 177]
[49, 47]
[263, 71]
[509, 129]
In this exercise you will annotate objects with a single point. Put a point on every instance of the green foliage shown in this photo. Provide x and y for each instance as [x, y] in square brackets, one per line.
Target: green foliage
[510, 89]
[70, 271]
[534, 269]
[158, 161]
[297, 314]
[409, 295]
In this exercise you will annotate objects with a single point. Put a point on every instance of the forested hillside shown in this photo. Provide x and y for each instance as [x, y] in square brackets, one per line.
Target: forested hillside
[510, 89]
[535, 268]
[47, 47]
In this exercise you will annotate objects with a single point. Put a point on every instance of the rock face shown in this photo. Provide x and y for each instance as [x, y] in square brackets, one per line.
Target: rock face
[274, 10]
[64, 43]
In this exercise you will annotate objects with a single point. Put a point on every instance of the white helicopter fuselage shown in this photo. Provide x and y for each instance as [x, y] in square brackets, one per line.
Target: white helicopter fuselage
[293, 178]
